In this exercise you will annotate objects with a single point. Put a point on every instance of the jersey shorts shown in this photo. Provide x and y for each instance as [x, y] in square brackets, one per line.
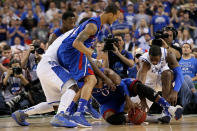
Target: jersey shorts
[53, 77]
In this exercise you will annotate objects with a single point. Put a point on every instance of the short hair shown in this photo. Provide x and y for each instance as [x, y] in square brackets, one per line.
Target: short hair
[6, 47]
[120, 35]
[187, 44]
[13, 61]
[112, 8]
[155, 50]
[67, 14]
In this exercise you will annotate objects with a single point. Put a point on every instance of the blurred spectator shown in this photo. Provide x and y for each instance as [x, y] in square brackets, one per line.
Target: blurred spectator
[30, 61]
[101, 54]
[30, 21]
[41, 32]
[119, 59]
[194, 51]
[120, 26]
[144, 42]
[63, 6]
[141, 15]
[51, 11]
[39, 12]
[132, 72]
[87, 13]
[105, 31]
[7, 54]
[38, 2]
[128, 46]
[17, 45]
[16, 31]
[187, 23]
[142, 29]
[3, 30]
[186, 38]
[129, 15]
[188, 63]
[160, 20]
[174, 19]
[15, 83]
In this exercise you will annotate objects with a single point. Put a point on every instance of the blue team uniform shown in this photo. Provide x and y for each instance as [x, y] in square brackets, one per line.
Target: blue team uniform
[57, 32]
[70, 58]
[112, 100]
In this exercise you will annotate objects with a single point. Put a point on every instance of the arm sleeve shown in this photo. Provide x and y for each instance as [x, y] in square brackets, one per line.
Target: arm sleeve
[178, 78]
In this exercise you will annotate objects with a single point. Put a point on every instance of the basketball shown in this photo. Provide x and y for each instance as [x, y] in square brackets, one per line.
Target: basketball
[138, 117]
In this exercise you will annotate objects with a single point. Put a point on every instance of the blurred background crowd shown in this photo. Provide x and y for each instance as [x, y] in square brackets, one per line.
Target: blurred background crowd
[25, 27]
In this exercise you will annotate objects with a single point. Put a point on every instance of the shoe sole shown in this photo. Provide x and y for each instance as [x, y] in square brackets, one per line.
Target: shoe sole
[58, 125]
[81, 125]
[178, 113]
[14, 117]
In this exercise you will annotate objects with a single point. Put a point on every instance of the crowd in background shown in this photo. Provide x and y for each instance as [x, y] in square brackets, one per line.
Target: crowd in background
[25, 26]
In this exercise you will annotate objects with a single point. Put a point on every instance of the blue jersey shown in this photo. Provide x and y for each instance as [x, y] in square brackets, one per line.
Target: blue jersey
[159, 22]
[72, 59]
[57, 32]
[189, 66]
[111, 100]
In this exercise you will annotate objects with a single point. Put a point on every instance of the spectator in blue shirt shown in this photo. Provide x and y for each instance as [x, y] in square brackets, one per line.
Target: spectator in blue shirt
[3, 30]
[129, 15]
[188, 63]
[16, 31]
[121, 26]
[119, 59]
[159, 21]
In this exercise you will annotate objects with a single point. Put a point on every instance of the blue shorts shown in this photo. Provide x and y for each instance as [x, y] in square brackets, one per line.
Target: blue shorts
[76, 63]
[112, 105]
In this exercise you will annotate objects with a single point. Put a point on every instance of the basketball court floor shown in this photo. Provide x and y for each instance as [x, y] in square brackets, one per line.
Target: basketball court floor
[40, 123]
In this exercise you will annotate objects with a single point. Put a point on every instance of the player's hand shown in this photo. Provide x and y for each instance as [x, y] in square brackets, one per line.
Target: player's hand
[130, 105]
[172, 98]
[110, 84]
[144, 105]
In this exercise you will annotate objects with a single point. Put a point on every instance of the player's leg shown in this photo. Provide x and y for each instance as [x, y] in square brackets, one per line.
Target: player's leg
[147, 92]
[86, 92]
[113, 113]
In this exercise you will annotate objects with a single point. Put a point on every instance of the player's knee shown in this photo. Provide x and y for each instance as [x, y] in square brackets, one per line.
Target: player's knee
[116, 119]
[145, 91]
[91, 79]
[75, 88]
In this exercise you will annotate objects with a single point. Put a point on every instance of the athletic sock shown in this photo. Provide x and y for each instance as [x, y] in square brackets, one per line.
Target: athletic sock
[66, 100]
[82, 104]
[163, 103]
[71, 109]
[41, 108]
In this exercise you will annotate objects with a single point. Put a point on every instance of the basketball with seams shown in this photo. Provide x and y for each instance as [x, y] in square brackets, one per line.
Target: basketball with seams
[138, 117]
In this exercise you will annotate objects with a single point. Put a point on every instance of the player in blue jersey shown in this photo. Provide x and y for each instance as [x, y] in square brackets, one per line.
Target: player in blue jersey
[72, 53]
[68, 22]
[113, 103]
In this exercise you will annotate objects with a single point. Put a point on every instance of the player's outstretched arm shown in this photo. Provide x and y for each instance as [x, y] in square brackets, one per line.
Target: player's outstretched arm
[141, 74]
[89, 30]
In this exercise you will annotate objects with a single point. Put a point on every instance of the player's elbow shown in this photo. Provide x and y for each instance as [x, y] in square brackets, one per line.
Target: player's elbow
[75, 44]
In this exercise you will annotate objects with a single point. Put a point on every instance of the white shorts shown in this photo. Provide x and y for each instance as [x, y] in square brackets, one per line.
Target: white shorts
[53, 78]
[153, 80]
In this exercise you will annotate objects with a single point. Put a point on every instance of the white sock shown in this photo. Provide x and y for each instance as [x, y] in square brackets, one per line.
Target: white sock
[41, 108]
[66, 100]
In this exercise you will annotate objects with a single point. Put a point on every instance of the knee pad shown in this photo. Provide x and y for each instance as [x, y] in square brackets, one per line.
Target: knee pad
[145, 91]
[117, 119]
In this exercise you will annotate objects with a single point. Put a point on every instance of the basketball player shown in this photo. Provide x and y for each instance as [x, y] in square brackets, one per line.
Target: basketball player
[65, 63]
[113, 103]
[68, 23]
[154, 72]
